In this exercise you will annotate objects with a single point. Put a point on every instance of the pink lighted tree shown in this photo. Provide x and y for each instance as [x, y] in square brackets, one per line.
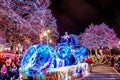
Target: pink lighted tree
[21, 20]
[98, 35]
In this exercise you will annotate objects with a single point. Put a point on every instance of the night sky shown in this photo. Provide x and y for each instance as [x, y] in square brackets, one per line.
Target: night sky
[75, 15]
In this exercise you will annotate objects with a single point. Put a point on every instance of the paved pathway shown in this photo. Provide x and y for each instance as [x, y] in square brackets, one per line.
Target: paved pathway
[102, 72]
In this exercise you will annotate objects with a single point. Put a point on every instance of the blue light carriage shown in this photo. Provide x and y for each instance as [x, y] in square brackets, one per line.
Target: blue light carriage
[42, 58]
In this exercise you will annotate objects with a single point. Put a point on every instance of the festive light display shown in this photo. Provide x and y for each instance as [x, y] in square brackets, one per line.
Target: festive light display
[20, 21]
[37, 59]
[64, 54]
[74, 39]
[64, 60]
[80, 51]
[72, 60]
[98, 35]
[41, 58]
[69, 39]
[63, 51]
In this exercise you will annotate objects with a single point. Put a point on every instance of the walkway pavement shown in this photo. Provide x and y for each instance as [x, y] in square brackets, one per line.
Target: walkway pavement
[102, 72]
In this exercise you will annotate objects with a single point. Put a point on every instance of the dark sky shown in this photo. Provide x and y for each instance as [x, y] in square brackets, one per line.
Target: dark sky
[75, 15]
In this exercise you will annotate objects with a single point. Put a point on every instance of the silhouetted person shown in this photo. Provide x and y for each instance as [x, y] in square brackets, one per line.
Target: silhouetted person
[118, 61]
[112, 62]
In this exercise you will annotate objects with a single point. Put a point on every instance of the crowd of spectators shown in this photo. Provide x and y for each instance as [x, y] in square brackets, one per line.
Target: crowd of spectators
[110, 60]
[9, 70]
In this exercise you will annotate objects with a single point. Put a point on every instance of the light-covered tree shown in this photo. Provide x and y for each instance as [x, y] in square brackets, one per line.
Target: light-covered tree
[21, 20]
[12, 35]
[98, 35]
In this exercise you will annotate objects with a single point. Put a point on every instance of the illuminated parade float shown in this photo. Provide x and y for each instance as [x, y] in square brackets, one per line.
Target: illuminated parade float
[64, 62]
[29, 32]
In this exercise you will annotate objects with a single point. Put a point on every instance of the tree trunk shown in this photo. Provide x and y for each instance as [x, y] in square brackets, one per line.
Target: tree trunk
[90, 51]
[110, 51]
[96, 52]
[13, 46]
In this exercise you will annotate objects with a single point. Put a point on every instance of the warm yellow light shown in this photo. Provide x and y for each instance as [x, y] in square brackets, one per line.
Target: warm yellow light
[48, 31]
[50, 41]
[45, 33]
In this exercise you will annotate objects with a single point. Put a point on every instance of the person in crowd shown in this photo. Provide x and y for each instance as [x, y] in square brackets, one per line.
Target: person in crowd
[22, 76]
[3, 69]
[8, 64]
[118, 62]
[96, 60]
[14, 72]
[116, 65]
[105, 59]
[89, 61]
[109, 60]
[112, 61]
[3, 72]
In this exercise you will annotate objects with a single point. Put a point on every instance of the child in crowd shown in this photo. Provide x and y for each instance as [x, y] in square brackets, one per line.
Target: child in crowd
[3, 72]
[3, 69]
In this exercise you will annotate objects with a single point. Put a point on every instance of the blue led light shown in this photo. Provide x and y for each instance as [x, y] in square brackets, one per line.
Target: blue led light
[81, 51]
[42, 57]
[63, 51]
[37, 58]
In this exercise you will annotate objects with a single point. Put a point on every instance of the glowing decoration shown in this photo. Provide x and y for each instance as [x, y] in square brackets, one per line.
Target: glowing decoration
[42, 58]
[70, 39]
[73, 39]
[65, 38]
[80, 51]
[37, 59]
[59, 63]
[71, 60]
[63, 51]
[66, 72]
[99, 35]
